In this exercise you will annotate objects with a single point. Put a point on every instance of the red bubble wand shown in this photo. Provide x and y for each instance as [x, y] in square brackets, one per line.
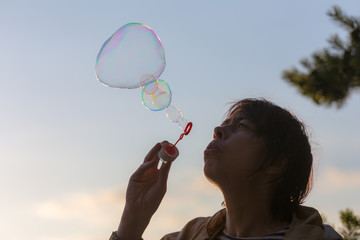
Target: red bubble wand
[171, 148]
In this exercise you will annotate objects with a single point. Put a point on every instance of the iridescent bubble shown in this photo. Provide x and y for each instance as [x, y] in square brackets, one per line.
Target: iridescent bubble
[149, 84]
[183, 123]
[175, 115]
[132, 51]
[160, 98]
[146, 79]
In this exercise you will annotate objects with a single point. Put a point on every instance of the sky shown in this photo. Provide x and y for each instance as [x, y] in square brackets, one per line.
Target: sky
[69, 144]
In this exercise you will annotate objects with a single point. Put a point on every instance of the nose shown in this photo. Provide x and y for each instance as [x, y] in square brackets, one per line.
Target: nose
[219, 132]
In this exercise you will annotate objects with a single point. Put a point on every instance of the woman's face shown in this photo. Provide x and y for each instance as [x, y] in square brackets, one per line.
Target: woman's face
[235, 153]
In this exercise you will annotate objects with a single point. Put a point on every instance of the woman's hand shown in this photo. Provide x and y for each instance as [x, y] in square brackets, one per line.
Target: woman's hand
[146, 189]
[147, 186]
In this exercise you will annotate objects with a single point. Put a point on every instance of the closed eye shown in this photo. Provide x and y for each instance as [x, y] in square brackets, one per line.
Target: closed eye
[242, 125]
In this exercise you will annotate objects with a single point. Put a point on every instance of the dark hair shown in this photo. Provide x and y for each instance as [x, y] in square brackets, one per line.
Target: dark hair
[286, 139]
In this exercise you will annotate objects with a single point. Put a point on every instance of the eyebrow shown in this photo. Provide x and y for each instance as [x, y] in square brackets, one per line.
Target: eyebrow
[238, 119]
[226, 121]
[234, 119]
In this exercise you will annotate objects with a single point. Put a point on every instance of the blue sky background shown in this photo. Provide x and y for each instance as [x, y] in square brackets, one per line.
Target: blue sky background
[68, 144]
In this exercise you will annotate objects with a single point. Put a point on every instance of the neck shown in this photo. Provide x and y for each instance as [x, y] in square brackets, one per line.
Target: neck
[248, 212]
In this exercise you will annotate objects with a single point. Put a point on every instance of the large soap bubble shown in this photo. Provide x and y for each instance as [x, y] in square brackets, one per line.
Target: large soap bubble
[133, 50]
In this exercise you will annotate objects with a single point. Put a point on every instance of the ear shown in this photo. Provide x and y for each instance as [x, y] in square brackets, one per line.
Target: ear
[278, 167]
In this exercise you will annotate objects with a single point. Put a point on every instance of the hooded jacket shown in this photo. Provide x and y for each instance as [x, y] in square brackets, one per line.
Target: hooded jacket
[305, 224]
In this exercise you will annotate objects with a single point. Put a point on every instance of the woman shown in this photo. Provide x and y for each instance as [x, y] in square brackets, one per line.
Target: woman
[260, 159]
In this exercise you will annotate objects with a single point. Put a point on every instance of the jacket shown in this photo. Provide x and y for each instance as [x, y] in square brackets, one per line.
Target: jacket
[305, 224]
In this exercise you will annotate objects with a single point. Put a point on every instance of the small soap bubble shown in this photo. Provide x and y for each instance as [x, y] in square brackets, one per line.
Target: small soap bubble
[183, 123]
[132, 51]
[151, 87]
[161, 99]
[158, 99]
[173, 114]
[146, 79]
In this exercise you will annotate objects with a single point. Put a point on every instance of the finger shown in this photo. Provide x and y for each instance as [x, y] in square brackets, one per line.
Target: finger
[164, 171]
[144, 167]
[153, 153]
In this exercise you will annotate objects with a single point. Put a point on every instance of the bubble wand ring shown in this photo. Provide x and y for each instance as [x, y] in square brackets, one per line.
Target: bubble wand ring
[171, 148]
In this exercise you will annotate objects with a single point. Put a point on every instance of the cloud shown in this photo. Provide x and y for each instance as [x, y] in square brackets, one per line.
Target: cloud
[74, 237]
[92, 215]
[93, 208]
[96, 213]
[333, 180]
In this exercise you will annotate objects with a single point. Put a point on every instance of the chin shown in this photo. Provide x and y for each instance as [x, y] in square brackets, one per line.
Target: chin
[210, 173]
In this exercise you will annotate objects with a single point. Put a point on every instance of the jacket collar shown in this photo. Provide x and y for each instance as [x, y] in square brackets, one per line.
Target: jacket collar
[216, 223]
[306, 221]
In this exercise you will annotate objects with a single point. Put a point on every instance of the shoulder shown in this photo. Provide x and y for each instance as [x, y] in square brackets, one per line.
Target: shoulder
[330, 234]
[307, 224]
[199, 228]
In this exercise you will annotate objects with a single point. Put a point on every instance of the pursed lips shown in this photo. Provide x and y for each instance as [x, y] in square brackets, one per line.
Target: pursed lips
[211, 148]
